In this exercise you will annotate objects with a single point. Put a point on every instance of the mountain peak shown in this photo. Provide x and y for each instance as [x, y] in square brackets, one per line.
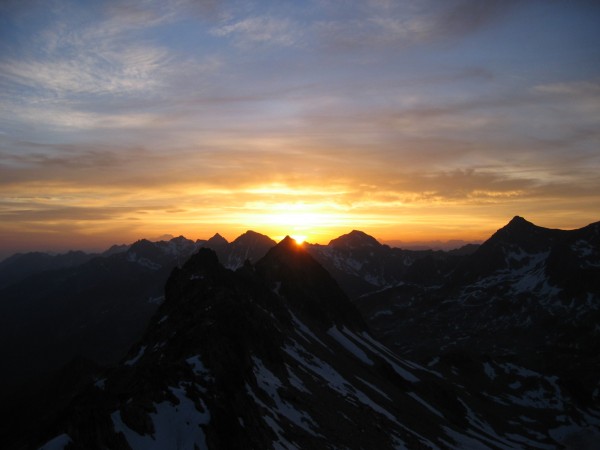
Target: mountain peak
[520, 222]
[307, 285]
[355, 239]
[288, 242]
[288, 250]
[519, 230]
[253, 238]
[216, 240]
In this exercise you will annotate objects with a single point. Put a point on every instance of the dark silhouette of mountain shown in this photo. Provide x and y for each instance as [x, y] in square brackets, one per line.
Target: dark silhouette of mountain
[354, 239]
[243, 360]
[499, 345]
[216, 242]
[19, 266]
[502, 250]
[97, 308]
[114, 249]
[250, 246]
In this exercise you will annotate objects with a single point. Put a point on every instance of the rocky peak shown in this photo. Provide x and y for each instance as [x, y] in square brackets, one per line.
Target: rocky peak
[216, 241]
[302, 281]
[355, 239]
[181, 241]
[524, 235]
[144, 249]
[252, 238]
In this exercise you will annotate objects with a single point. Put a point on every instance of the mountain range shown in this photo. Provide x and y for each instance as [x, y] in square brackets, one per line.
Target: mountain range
[253, 344]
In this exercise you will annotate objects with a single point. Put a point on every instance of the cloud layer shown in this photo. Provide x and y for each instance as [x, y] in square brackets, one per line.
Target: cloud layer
[408, 119]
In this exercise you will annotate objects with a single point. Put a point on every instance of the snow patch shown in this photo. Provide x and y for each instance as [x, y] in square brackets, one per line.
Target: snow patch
[198, 366]
[489, 371]
[425, 404]
[175, 426]
[140, 353]
[333, 379]
[270, 384]
[464, 442]
[383, 312]
[156, 300]
[58, 443]
[295, 381]
[374, 388]
[345, 342]
[384, 353]
[305, 333]
[100, 384]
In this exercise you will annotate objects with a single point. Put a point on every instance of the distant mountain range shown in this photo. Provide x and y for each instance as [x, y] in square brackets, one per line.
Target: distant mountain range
[354, 344]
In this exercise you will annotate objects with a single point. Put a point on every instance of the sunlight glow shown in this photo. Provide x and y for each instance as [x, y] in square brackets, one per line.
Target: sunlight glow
[298, 238]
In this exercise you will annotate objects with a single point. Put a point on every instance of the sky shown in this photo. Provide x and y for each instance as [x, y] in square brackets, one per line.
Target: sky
[411, 120]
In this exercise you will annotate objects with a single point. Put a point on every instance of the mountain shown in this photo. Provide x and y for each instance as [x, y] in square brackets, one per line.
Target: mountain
[216, 242]
[355, 239]
[527, 297]
[250, 246]
[95, 306]
[96, 309]
[19, 266]
[362, 265]
[494, 346]
[274, 355]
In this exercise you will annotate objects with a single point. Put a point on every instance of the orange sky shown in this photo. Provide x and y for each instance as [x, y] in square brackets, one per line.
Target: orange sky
[411, 121]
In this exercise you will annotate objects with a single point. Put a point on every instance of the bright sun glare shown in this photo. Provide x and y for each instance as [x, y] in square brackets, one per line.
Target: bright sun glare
[298, 238]
[300, 221]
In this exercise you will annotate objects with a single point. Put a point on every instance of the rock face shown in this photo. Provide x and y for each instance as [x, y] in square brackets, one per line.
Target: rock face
[274, 355]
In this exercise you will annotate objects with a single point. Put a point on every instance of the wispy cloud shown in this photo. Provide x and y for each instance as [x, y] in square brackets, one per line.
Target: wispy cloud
[259, 30]
[379, 24]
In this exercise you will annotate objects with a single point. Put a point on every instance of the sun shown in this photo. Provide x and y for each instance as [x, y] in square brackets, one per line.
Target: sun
[298, 238]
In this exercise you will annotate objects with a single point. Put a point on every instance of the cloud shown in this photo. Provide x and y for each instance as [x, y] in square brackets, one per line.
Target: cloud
[464, 17]
[383, 24]
[189, 113]
[260, 30]
[574, 88]
[86, 64]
